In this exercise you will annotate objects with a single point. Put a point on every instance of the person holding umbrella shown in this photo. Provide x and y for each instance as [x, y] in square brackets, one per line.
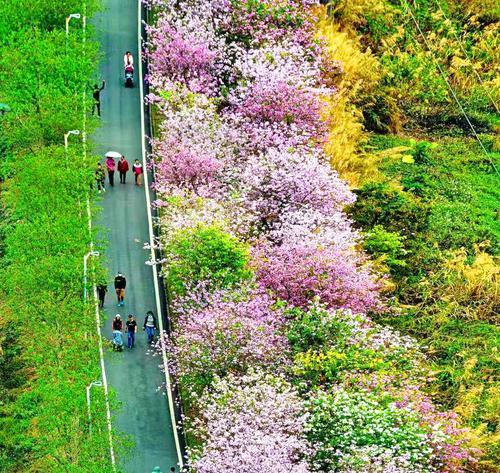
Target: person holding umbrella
[110, 166]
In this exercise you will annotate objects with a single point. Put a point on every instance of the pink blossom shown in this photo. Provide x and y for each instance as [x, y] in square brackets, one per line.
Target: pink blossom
[252, 424]
[298, 273]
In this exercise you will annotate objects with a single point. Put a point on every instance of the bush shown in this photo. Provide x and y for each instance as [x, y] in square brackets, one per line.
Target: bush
[369, 432]
[205, 254]
[395, 210]
[387, 246]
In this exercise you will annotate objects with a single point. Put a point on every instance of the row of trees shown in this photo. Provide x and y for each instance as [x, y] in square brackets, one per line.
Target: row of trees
[48, 350]
[280, 368]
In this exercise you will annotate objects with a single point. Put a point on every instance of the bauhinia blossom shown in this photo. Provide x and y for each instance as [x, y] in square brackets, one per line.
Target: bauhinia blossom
[252, 424]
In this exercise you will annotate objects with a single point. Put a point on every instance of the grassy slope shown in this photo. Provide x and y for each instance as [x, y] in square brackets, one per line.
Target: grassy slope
[427, 193]
[48, 351]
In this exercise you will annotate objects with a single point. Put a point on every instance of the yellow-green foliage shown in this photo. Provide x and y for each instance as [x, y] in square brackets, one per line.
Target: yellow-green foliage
[353, 13]
[437, 197]
[360, 72]
[479, 283]
[358, 86]
[471, 290]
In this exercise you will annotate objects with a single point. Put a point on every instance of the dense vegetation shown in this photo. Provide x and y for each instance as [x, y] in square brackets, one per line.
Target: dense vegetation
[241, 146]
[427, 189]
[48, 348]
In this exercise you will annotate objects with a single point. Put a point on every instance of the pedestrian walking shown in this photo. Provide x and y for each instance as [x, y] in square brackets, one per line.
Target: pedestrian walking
[117, 323]
[116, 326]
[150, 326]
[123, 169]
[101, 293]
[120, 285]
[100, 177]
[138, 171]
[110, 165]
[131, 329]
[96, 93]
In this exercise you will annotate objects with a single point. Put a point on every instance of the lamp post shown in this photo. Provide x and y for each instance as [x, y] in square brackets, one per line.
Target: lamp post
[88, 388]
[76, 16]
[85, 258]
[66, 136]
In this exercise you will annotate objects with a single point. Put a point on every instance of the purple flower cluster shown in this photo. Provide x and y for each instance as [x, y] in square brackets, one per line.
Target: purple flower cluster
[253, 423]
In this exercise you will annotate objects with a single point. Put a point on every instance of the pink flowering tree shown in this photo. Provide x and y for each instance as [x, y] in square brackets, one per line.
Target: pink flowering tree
[280, 102]
[220, 333]
[184, 170]
[252, 424]
[182, 56]
[298, 273]
[281, 183]
[254, 23]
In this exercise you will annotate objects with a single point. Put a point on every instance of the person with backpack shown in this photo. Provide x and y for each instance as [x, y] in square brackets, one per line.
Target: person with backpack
[110, 165]
[120, 285]
[123, 169]
[100, 177]
[101, 294]
[150, 326]
[138, 171]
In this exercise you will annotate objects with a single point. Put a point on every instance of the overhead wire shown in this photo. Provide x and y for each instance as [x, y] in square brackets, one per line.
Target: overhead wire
[450, 88]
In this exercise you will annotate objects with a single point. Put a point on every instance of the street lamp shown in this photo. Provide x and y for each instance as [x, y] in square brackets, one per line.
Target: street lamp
[66, 136]
[88, 388]
[85, 258]
[76, 16]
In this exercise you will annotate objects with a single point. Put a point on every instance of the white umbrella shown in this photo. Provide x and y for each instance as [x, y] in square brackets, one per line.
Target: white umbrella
[113, 154]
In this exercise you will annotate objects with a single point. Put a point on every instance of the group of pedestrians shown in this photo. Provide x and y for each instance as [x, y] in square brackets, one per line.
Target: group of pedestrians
[150, 323]
[149, 326]
[122, 167]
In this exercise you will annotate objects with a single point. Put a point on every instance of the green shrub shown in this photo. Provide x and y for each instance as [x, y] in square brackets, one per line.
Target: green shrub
[387, 246]
[205, 254]
[383, 204]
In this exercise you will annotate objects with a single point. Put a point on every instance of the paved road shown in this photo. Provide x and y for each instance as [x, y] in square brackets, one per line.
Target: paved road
[134, 375]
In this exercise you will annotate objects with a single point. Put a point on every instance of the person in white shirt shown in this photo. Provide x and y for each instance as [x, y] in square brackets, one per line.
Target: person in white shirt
[128, 59]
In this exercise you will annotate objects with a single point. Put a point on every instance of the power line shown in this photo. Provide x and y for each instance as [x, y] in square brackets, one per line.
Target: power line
[468, 58]
[450, 88]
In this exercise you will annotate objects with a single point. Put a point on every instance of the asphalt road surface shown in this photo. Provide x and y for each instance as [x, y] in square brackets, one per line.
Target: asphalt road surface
[133, 374]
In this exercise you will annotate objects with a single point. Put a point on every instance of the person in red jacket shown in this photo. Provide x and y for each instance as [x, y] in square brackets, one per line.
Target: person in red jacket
[123, 169]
